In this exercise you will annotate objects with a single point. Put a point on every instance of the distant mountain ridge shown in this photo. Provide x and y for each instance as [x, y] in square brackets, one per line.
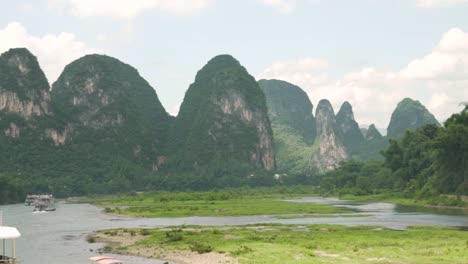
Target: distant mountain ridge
[102, 129]
[338, 137]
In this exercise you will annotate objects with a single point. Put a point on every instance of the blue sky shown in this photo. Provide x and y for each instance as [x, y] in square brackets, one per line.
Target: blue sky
[372, 53]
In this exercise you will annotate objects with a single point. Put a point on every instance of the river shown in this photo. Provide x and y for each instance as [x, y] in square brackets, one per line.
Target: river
[60, 237]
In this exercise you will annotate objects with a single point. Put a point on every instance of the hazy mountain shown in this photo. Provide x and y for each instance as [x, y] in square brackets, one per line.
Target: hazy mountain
[348, 127]
[373, 133]
[409, 114]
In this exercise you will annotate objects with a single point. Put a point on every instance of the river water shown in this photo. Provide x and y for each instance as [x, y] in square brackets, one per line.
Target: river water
[60, 237]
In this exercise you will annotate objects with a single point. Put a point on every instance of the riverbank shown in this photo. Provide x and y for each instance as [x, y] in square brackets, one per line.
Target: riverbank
[275, 244]
[230, 202]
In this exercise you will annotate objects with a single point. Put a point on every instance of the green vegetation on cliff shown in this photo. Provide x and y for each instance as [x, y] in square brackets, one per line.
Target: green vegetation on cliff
[21, 74]
[293, 124]
[222, 132]
[107, 98]
[289, 104]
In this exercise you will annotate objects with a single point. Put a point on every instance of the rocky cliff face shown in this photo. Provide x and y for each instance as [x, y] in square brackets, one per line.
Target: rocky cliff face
[409, 114]
[24, 93]
[348, 127]
[24, 89]
[223, 121]
[104, 100]
[331, 149]
[289, 104]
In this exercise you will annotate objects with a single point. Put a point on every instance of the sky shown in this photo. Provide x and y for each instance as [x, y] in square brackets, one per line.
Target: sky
[372, 53]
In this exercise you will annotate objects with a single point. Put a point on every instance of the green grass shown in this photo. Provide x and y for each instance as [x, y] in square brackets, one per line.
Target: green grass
[231, 202]
[318, 243]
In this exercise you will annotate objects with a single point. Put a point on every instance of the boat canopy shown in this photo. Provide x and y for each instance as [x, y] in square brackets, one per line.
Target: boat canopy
[9, 232]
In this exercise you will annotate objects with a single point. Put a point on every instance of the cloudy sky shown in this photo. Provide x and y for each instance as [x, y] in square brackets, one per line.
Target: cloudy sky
[372, 53]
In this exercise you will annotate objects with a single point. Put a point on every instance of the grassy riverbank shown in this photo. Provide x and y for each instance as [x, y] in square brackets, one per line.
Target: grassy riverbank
[292, 244]
[230, 202]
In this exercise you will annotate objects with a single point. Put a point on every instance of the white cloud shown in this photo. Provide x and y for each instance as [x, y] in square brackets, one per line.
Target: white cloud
[449, 60]
[52, 51]
[128, 8]
[439, 80]
[282, 6]
[303, 72]
[438, 3]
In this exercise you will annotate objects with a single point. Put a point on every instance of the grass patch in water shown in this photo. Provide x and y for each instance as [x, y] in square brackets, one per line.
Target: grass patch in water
[230, 202]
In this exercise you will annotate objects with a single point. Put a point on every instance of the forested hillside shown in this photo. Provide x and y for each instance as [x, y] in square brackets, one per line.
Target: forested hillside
[426, 162]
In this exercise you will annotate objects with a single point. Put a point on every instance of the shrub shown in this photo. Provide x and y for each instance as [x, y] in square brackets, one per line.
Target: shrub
[145, 232]
[242, 250]
[201, 248]
[91, 239]
[107, 249]
[174, 235]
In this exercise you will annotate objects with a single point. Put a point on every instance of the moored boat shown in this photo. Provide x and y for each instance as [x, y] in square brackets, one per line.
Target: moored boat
[8, 234]
[44, 203]
[30, 199]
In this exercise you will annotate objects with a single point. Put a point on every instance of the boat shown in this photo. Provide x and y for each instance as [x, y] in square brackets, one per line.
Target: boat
[44, 203]
[105, 260]
[30, 199]
[8, 234]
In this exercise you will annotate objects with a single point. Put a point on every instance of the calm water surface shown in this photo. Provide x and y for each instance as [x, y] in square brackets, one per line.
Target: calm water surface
[60, 237]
